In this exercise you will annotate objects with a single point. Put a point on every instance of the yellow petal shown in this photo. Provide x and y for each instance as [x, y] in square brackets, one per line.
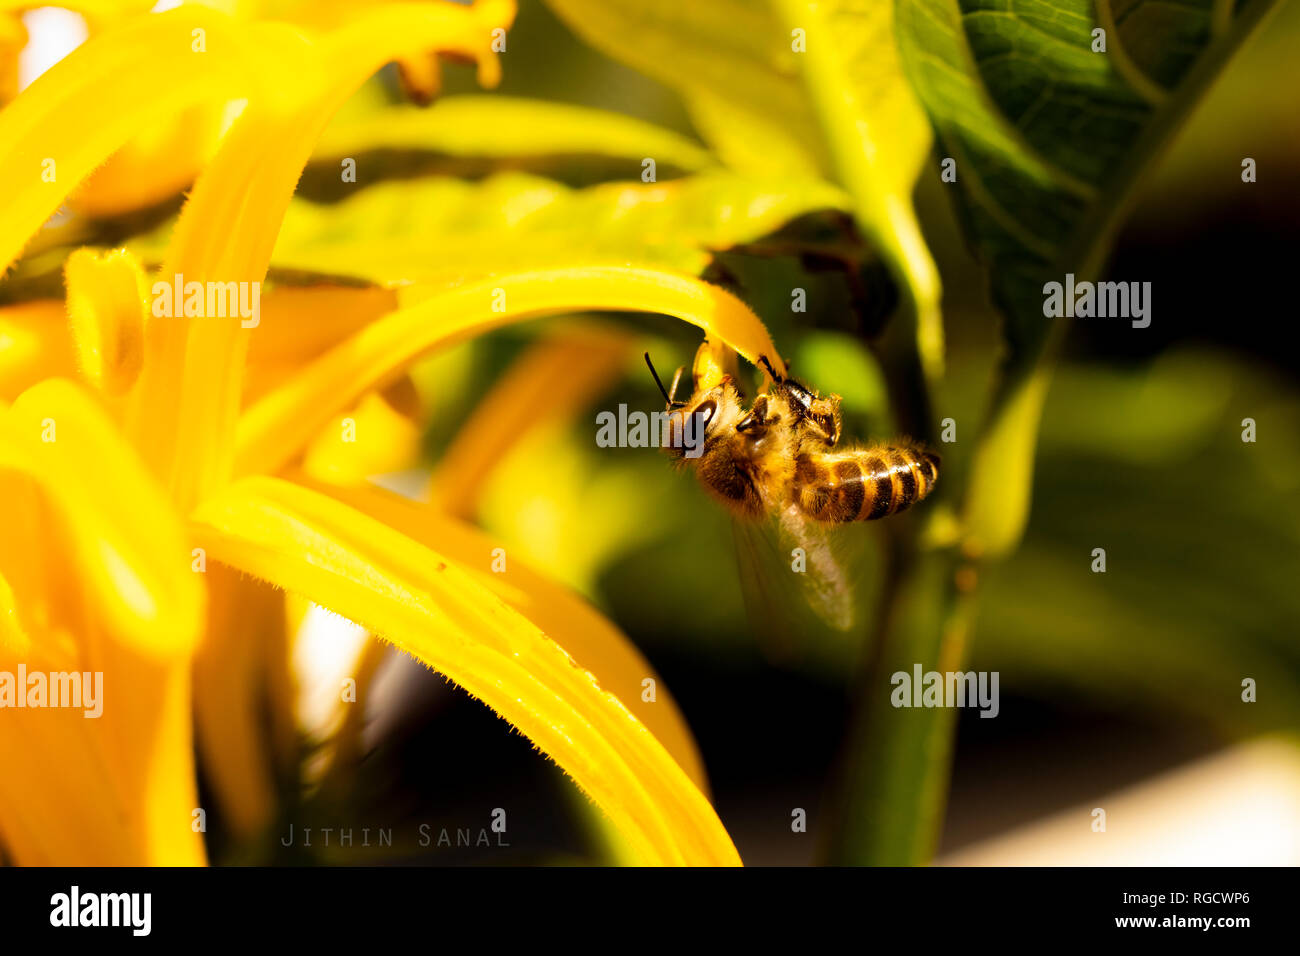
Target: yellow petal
[421, 77]
[107, 304]
[127, 78]
[372, 439]
[550, 382]
[275, 428]
[433, 609]
[127, 544]
[32, 572]
[300, 322]
[233, 692]
[117, 790]
[99, 571]
[13, 37]
[185, 410]
[157, 164]
[14, 642]
[160, 160]
[34, 344]
[587, 636]
[99, 13]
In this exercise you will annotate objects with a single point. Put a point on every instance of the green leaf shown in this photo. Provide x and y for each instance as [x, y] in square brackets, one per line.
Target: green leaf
[734, 54]
[1051, 139]
[802, 89]
[999, 489]
[1200, 531]
[506, 128]
[444, 230]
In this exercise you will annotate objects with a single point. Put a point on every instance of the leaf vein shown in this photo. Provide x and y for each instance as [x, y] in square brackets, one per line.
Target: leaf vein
[1125, 66]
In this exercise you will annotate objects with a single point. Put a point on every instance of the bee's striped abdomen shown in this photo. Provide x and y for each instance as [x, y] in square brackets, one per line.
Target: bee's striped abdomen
[864, 484]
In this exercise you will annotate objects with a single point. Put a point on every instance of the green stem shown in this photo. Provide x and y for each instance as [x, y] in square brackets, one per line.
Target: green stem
[893, 782]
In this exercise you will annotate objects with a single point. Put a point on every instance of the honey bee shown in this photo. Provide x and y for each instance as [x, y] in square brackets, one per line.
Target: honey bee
[780, 457]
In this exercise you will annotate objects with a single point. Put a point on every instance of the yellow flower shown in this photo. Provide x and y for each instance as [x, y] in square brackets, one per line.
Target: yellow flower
[121, 493]
[97, 583]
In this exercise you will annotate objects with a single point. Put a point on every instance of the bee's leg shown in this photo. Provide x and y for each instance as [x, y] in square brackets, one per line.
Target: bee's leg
[824, 418]
[756, 418]
[763, 361]
[672, 392]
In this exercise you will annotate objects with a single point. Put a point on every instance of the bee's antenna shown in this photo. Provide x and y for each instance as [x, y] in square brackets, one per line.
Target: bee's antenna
[662, 391]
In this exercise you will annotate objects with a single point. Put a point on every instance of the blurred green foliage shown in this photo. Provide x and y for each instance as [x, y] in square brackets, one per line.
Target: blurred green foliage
[1201, 532]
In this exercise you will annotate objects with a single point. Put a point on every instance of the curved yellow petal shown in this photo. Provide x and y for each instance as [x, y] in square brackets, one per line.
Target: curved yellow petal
[31, 569]
[128, 545]
[421, 77]
[185, 410]
[34, 344]
[127, 79]
[13, 37]
[14, 642]
[436, 611]
[275, 428]
[159, 160]
[99, 572]
[116, 790]
[107, 305]
[587, 636]
[372, 439]
[155, 165]
[300, 322]
[550, 382]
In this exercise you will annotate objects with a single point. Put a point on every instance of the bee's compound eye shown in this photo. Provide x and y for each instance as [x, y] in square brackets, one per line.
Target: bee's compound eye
[706, 411]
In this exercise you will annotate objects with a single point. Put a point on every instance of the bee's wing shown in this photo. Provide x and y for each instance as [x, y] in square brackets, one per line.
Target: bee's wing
[803, 580]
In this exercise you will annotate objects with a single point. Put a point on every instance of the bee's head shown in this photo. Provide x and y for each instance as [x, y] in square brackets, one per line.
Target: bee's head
[712, 410]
